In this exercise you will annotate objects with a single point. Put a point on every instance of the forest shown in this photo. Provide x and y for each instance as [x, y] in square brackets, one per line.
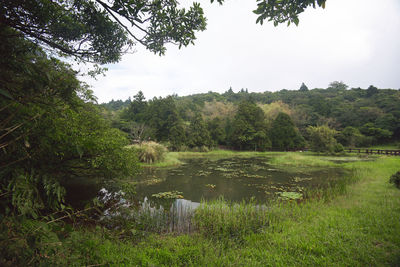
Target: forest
[284, 120]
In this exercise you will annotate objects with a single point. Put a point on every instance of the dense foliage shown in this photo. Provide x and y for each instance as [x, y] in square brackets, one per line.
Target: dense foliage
[281, 120]
[284, 134]
[50, 129]
[100, 31]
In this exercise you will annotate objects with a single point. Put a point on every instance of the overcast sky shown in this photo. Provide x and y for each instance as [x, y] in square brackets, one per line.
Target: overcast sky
[354, 41]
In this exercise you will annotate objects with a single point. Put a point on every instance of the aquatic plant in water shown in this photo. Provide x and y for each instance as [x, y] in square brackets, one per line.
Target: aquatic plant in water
[299, 179]
[290, 195]
[168, 195]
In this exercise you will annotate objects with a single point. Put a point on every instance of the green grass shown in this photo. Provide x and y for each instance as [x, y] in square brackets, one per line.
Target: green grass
[295, 159]
[170, 159]
[360, 226]
[387, 147]
[278, 159]
[298, 159]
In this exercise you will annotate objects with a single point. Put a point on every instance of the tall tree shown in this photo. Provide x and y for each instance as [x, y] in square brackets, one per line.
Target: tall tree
[198, 133]
[284, 135]
[303, 88]
[162, 115]
[217, 131]
[137, 109]
[248, 128]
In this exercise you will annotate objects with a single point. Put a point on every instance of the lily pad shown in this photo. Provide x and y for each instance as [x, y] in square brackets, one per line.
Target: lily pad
[290, 195]
[168, 195]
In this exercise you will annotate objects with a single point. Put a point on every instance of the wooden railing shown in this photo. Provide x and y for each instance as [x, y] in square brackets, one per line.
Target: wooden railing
[373, 151]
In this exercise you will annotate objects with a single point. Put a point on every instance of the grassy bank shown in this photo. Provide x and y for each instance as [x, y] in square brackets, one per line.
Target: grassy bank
[360, 227]
[172, 159]
[278, 159]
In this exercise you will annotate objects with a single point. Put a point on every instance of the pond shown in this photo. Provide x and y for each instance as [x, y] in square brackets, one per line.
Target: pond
[235, 179]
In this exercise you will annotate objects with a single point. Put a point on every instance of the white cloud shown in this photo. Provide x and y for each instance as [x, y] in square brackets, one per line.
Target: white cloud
[351, 40]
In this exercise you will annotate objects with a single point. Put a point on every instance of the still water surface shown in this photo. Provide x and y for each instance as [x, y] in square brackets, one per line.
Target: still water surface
[235, 179]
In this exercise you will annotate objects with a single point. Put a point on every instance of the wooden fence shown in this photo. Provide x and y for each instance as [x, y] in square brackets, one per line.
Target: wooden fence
[373, 151]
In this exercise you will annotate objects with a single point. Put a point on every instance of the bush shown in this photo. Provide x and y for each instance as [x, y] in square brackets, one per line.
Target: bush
[150, 152]
[395, 179]
[321, 139]
[338, 148]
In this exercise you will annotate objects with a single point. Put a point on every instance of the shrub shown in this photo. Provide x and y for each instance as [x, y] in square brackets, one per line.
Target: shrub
[395, 179]
[338, 148]
[321, 139]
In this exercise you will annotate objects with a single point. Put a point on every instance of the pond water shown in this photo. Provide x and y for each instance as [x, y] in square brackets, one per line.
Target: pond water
[236, 179]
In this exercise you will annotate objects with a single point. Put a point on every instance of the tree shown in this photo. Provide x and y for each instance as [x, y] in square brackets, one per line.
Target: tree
[377, 134]
[198, 133]
[50, 130]
[177, 136]
[161, 116]
[303, 88]
[372, 90]
[99, 31]
[322, 139]
[284, 11]
[248, 128]
[351, 137]
[338, 85]
[137, 109]
[217, 131]
[284, 135]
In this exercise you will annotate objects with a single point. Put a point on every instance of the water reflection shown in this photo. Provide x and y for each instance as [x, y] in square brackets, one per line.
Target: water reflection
[172, 215]
[236, 179]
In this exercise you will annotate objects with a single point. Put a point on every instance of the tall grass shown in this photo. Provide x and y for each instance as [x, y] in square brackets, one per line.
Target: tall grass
[170, 159]
[221, 219]
[150, 152]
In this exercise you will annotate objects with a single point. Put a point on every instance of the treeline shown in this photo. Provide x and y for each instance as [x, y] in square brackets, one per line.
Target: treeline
[283, 120]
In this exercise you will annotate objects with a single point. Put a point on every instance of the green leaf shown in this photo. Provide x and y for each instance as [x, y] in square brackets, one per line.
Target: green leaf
[296, 21]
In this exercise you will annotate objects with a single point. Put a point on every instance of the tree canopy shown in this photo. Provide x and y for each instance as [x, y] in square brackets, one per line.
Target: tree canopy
[284, 135]
[100, 31]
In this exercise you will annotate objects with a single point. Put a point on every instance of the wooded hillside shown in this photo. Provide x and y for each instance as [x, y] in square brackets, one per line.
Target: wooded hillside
[243, 120]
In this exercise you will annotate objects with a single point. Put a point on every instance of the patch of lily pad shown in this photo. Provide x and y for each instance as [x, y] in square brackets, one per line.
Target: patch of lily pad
[290, 195]
[299, 179]
[168, 195]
